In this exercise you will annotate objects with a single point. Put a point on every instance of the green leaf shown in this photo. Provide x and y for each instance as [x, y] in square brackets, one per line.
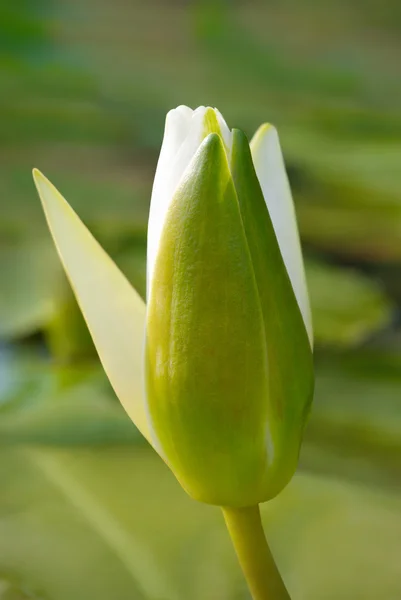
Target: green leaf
[347, 306]
[10, 590]
[114, 523]
[42, 403]
[30, 284]
[322, 534]
[348, 200]
[354, 427]
[86, 551]
[83, 414]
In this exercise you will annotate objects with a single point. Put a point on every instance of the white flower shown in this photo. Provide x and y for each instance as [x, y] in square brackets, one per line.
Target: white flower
[184, 132]
[228, 353]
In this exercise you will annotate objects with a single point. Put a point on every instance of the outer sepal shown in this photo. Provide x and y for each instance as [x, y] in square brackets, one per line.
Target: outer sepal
[289, 355]
[206, 353]
[270, 170]
[114, 312]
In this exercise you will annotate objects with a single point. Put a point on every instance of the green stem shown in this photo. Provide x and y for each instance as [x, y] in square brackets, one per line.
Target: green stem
[257, 563]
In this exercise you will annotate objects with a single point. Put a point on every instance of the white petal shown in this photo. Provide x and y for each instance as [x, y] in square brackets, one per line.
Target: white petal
[270, 169]
[225, 131]
[184, 131]
[176, 128]
[182, 137]
[114, 312]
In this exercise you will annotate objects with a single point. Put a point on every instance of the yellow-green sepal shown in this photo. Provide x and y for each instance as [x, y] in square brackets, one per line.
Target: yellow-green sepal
[113, 311]
[205, 350]
[290, 360]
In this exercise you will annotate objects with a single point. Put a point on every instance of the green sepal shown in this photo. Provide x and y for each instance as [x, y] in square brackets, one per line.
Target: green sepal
[290, 360]
[205, 350]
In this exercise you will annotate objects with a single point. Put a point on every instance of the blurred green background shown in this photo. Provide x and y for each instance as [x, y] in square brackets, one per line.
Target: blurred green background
[87, 511]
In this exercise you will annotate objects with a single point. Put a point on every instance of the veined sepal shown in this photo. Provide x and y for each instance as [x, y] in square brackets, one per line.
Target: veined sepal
[113, 310]
[206, 360]
[289, 353]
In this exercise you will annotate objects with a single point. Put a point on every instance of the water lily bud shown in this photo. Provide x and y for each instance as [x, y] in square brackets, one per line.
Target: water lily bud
[229, 363]
[217, 371]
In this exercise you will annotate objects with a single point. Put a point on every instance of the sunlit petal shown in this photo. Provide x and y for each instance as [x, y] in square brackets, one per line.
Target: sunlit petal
[114, 312]
[182, 136]
[270, 169]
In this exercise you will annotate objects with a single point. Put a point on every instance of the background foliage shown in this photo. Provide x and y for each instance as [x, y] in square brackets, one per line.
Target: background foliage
[86, 509]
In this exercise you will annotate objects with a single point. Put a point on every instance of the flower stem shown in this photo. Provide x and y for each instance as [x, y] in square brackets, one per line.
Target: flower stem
[257, 563]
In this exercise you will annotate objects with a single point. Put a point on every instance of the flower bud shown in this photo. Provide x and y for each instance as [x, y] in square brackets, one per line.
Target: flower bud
[222, 383]
[229, 369]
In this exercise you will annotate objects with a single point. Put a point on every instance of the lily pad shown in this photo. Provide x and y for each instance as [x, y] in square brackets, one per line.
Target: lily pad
[355, 423]
[30, 280]
[44, 403]
[347, 306]
[114, 523]
[12, 591]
